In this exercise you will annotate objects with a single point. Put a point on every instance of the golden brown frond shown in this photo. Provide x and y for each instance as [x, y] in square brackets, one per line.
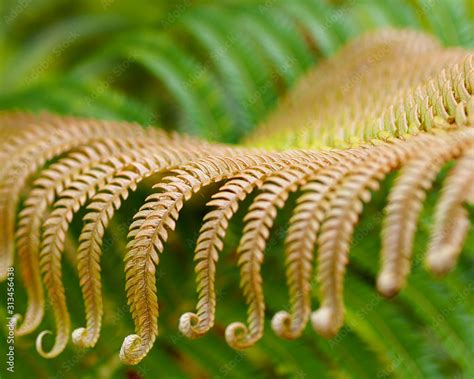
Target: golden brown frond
[56, 225]
[150, 230]
[259, 221]
[387, 101]
[404, 206]
[46, 142]
[301, 238]
[451, 219]
[345, 206]
[53, 238]
[212, 233]
[102, 206]
[423, 88]
[52, 182]
[18, 128]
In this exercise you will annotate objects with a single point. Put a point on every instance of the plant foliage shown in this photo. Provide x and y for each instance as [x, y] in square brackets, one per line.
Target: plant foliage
[389, 100]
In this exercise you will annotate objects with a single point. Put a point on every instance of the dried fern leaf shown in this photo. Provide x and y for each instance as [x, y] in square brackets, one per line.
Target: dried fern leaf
[52, 181]
[259, 221]
[103, 206]
[53, 238]
[212, 233]
[451, 218]
[56, 225]
[410, 77]
[345, 207]
[388, 100]
[301, 239]
[404, 206]
[19, 128]
[70, 200]
[25, 161]
[149, 232]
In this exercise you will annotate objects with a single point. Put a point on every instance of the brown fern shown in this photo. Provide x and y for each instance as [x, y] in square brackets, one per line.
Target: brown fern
[102, 206]
[51, 183]
[51, 141]
[259, 221]
[301, 238]
[451, 220]
[344, 207]
[404, 207]
[351, 122]
[150, 230]
[55, 228]
[213, 231]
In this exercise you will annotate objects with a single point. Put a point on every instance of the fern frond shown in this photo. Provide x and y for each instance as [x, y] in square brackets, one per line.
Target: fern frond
[103, 206]
[433, 94]
[56, 225]
[53, 238]
[391, 100]
[52, 181]
[345, 205]
[404, 206]
[212, 233]
[301, 238]
[19, 127]
[149, 232]
[451, 219]
[344, 209]
[259, 221]
[48, 142]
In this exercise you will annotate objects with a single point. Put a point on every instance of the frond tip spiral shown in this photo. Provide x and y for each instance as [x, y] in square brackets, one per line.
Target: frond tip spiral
[396, 116]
